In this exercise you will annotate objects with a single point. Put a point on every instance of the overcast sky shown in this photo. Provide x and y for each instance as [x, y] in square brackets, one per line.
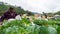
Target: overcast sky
[36, 5]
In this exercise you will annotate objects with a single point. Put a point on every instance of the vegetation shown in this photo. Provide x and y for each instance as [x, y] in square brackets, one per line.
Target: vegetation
[58, 13]
[24, 26]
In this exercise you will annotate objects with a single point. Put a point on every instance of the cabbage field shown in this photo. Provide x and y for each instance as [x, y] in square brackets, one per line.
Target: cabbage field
[25, 26]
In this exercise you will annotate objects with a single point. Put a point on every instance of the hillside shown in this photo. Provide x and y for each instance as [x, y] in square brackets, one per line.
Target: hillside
[4, 7]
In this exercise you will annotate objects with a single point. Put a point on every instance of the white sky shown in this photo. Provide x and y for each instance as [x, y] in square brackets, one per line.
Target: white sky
[36, 5]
